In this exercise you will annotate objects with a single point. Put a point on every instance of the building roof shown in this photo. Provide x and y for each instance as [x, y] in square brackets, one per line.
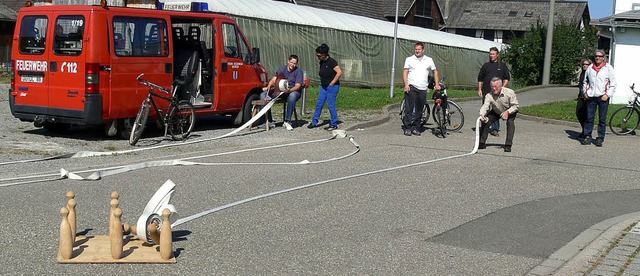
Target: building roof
[516, 15]
[9, 10]
[377, 9]
[389, 8]
[309, 16]
[624, 19]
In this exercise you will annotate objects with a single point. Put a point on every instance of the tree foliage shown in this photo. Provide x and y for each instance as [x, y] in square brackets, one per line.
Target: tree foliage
[570, 46]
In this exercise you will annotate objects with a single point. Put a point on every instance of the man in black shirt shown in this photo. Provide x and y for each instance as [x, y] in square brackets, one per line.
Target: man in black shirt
[493, 68]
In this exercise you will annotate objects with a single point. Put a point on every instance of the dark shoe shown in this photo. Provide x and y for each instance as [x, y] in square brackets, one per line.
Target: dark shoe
[494, 133]
[330, 128]
[586, 141]
[507, 148]
[310, 126]
[407, 132]
[482, 146]
[597, 142]
[415, 132]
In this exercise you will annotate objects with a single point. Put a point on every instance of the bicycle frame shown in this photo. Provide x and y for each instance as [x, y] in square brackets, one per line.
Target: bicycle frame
[635, 103]
[440, 111]
[162, 116]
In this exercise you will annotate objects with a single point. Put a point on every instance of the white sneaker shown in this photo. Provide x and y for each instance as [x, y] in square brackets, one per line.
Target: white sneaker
[287, 125]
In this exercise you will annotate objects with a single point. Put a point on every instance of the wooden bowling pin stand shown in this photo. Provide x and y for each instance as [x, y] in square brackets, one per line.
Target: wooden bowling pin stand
[121, 245]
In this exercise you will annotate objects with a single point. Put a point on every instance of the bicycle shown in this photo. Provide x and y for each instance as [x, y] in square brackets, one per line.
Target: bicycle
[446, 113]
[178, 122]
[625, 120]
[426, 112]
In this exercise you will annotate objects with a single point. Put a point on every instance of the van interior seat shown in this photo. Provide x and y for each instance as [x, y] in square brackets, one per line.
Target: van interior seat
[178, 34]
[118, 41]
[189, 78]
[195, 44]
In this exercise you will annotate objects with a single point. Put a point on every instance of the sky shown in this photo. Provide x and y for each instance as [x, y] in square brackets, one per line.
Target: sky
[600, 8]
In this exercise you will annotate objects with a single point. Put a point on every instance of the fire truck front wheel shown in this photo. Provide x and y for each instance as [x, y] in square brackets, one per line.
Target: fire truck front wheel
[245, 114]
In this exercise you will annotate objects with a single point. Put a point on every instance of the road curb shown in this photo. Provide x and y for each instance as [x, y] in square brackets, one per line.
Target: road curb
[579, 254]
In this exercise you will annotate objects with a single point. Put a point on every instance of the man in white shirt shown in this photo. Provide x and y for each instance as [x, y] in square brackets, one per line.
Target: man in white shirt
[599, 86]
[416, 81]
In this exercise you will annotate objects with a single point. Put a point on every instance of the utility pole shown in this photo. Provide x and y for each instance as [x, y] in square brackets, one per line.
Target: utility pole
[393, 59]
[546, 70]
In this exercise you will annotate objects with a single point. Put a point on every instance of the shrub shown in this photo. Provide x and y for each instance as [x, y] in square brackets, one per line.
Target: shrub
[570, 46]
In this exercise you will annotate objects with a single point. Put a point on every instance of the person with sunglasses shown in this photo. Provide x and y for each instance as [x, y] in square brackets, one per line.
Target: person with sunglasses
[599, 86]
[330, 73]
[581, 106]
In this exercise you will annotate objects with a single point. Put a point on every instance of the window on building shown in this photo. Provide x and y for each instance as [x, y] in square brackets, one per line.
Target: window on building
[423, 22]
[528, 14]
[635, 6]
[423, 8]
[489, 34]
[513, 13]
[466, 32]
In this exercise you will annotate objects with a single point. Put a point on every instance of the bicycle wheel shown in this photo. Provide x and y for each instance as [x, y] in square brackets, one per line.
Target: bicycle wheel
[181, 120]
[624, 120]
[426, 112]
[454, 116]
[139, 123]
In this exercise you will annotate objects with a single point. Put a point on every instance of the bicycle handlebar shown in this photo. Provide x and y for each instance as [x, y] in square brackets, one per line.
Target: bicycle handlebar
[151, 84]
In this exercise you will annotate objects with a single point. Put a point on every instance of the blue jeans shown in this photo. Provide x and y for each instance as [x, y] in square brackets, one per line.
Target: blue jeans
[263, 96]
[292, 98]
[603, 106]
[496, 125]
[327, 94]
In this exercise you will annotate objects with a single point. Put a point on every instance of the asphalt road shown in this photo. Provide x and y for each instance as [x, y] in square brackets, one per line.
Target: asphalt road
[492, 213]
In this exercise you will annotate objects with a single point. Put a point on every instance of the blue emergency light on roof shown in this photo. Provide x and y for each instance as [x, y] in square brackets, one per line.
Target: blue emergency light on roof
[184, 6]
[199, 6]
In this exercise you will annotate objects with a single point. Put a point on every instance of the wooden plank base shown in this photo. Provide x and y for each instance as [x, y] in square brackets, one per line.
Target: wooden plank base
[97, 249]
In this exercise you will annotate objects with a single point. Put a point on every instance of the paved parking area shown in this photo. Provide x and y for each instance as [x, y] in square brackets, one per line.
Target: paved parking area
[492, 213]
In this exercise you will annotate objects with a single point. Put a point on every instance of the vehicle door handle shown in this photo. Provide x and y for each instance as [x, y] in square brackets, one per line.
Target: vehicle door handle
[225, 67]
[53, 66]
[105, 68]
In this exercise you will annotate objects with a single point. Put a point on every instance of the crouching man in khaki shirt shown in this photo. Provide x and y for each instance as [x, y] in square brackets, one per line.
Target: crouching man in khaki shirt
[500, 103]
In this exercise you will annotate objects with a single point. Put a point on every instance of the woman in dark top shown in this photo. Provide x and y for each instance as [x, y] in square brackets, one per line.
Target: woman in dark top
[330, 73]
[581, 106]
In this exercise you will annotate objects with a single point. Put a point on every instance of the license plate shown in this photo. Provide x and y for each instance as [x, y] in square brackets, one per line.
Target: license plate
[36, 79]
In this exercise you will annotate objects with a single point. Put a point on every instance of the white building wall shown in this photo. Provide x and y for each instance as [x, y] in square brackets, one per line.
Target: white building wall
[625, 5]
[626, 63]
